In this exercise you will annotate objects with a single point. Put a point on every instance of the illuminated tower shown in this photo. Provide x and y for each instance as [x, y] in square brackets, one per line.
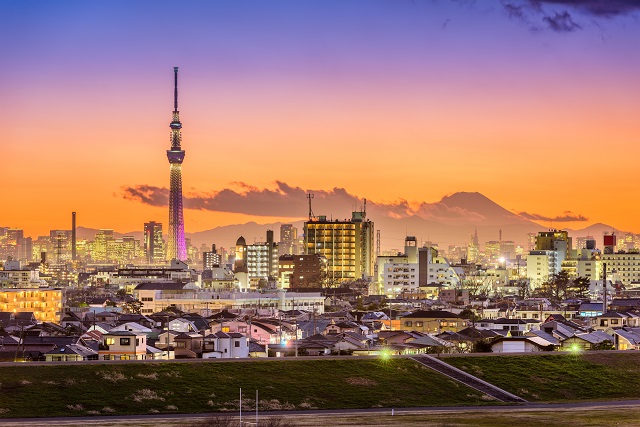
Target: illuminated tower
[177, 248]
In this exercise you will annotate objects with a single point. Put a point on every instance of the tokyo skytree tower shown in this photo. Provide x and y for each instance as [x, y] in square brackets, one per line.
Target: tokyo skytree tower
[176, 248]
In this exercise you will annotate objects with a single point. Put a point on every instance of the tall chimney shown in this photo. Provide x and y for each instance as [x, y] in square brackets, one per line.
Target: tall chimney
[604, 287]
[73, 236]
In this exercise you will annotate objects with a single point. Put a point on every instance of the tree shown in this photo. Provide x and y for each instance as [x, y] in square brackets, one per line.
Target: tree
[469, 314]
[556, 288]
[133, 307]
[475, 288]
[604, 345]
[524, 290]
[482, 346]
[580, 287]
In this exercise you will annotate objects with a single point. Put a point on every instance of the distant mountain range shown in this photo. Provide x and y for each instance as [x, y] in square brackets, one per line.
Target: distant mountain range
[452, 220]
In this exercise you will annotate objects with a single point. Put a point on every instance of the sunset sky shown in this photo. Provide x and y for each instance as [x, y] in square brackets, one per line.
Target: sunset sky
[536, 105]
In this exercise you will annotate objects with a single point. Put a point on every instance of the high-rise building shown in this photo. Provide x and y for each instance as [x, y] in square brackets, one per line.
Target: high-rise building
[347, 245]
[211, 259]
[288, 240]
[177, 248]
[153, 243]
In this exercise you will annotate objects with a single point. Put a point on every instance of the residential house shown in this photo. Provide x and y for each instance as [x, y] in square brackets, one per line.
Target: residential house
[524, 344]
[625, 338]
[188, 345]
[71, 353]
[123, 345]
[614, 319]
[586, 341]
[226, 345]
[432, 321]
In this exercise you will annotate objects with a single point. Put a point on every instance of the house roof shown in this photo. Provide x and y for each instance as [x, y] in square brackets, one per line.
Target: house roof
[160, 286]
[542, 334]
[74, 349]
[591, 306]
[537, 341]
[224, 314]
[430, 314]
[594, 337]
[124, 333]
[631, 336]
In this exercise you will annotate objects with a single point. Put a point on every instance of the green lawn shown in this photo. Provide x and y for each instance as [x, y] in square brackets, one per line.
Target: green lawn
[559, 377]
[33, 391]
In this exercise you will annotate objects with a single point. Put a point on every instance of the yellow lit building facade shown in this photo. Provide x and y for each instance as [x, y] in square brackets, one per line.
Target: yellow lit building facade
[45, 303]
[347, 245]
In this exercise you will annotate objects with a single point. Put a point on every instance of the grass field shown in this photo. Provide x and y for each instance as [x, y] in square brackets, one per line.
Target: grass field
[120, 389]
[138, 388]
[586, 376]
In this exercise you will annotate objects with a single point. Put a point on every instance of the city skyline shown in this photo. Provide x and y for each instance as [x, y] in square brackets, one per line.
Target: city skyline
[398, 103]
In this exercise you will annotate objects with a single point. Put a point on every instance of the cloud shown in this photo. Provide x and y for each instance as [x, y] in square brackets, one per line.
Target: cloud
[605, 8]
[567, 217]
[561, 22]
[286, 201]
[556, 16]
[147, 194]
[281, 201]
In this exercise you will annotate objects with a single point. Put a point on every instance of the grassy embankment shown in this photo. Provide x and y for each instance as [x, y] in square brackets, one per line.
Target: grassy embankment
[557, 378]
[120, 389]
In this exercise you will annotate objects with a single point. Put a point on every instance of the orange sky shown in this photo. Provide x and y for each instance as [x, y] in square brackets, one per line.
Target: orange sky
[540, 122]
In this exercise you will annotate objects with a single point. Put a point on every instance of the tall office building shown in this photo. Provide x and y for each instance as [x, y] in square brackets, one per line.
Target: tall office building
[347, 245]
[177, 248]
[288, 240]
[153, 243]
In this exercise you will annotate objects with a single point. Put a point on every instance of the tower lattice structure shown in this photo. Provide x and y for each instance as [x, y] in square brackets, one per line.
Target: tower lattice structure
[176, 248]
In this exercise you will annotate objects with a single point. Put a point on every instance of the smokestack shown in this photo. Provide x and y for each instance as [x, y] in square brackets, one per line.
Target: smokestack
[73, 236]
[604, 287]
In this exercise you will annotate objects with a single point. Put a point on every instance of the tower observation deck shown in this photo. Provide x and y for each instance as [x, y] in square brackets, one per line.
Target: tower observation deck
[176, 248]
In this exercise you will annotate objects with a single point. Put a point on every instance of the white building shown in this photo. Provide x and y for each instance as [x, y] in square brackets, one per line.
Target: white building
[190, 298]
[225, 345]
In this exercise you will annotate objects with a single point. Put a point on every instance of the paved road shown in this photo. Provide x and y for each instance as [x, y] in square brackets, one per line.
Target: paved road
[529, 407]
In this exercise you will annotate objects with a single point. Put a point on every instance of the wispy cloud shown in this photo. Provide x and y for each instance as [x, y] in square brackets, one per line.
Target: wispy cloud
[557, 15]
[568, 216]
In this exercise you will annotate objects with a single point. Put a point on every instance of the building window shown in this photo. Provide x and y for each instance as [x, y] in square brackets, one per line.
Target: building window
[408, 323]
[109, 341]
[419, 324]
[125, 341]
[237, 344]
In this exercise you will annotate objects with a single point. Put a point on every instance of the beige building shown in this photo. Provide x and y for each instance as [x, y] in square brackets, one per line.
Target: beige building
[622, 267]
[123, 345]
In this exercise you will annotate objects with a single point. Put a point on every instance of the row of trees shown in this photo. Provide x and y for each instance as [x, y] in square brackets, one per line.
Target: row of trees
[560, 287]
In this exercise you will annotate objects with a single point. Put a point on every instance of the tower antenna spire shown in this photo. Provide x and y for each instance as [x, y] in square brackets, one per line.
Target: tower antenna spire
[176, 248]
[310, 196]
[175, 90]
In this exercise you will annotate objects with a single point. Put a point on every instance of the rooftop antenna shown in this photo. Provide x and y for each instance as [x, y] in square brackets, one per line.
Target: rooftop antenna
[175, 90]
[310, 196]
